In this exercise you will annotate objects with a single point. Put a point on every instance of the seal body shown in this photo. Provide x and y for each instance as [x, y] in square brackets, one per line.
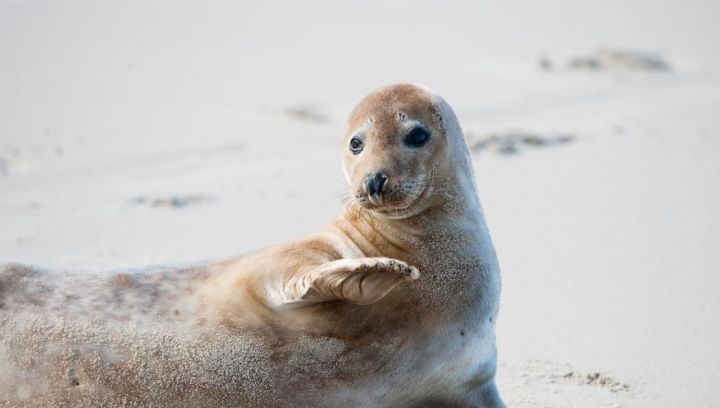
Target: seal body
[393, 305]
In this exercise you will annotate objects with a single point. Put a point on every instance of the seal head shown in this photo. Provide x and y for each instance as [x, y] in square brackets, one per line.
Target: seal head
[402, 145]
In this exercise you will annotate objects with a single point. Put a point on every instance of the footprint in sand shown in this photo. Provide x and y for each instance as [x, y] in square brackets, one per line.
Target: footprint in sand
[172, 201]
[538, 383]
[305, 114]
[514, 142]
[612, 60]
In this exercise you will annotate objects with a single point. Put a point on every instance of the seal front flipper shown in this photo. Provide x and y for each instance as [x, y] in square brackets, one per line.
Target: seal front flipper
[361, 281]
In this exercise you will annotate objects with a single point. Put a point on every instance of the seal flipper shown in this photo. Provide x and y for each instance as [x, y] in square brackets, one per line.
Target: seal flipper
[360, 281]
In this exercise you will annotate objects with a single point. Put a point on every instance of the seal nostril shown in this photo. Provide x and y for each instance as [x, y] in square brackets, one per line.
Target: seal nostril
[380, 179]
[375, 184]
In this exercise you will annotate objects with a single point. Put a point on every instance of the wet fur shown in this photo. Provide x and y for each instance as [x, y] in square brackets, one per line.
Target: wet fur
[291, 325]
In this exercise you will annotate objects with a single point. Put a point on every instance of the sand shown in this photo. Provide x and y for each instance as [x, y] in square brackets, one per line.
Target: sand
[134, 133]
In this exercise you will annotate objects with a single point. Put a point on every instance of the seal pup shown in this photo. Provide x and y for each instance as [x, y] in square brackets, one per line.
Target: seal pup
[393, 305]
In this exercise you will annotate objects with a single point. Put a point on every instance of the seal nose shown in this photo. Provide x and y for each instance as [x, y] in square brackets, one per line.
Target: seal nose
[375, 183]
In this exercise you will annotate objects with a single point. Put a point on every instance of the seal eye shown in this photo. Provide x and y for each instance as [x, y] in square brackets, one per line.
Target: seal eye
[417, 137]
[356, 145]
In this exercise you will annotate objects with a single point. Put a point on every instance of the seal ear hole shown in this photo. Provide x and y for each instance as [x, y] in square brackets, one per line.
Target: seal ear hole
[439, 121]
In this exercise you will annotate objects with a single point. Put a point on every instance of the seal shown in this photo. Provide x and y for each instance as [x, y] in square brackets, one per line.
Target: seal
[392, 305]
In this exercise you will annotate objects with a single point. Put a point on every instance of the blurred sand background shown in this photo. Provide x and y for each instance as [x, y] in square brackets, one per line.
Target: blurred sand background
[142, 132]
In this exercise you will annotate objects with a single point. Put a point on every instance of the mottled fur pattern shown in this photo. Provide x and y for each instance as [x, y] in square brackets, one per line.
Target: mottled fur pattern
[393, 305]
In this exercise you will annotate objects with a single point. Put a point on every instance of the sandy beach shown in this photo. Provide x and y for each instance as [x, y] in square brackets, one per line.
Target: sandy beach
[136, 133]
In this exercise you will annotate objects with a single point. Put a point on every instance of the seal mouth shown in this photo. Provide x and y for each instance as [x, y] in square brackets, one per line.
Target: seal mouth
[413, 208]
[376, 199]
[412, 203]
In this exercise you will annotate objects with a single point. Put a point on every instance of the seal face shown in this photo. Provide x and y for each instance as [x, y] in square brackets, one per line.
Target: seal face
[395, 146]
[392, 305]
